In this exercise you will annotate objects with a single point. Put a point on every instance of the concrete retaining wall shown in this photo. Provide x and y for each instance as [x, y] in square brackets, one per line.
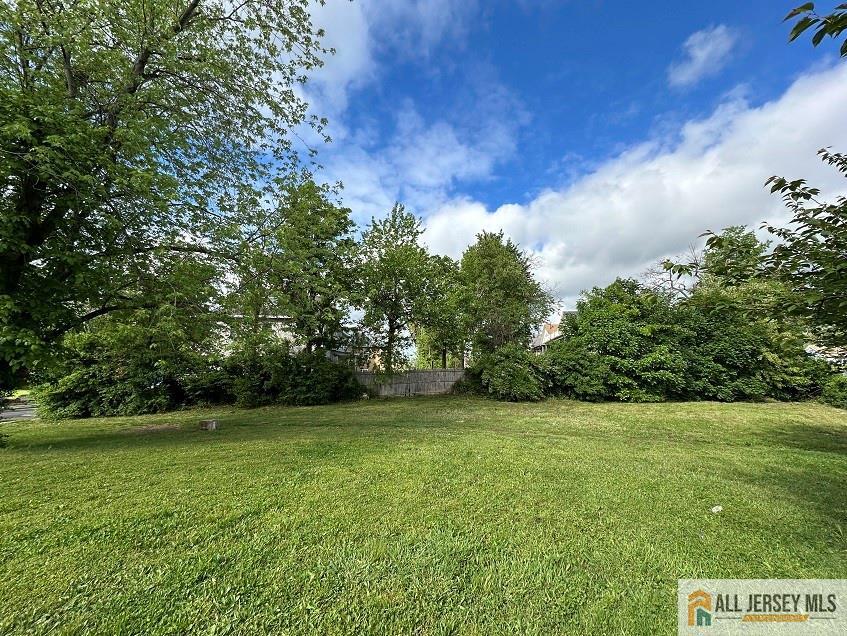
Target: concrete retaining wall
[423, 382]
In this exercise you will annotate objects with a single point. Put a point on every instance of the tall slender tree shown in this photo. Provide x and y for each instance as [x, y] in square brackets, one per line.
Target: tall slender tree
[392, 277]
[438, 327]
[312, 275]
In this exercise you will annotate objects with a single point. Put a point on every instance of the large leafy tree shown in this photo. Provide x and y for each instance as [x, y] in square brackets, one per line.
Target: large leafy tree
[298, 275]
[311, 271]
[438, 330]
[131, 130]
[392, 281]
[502, 302]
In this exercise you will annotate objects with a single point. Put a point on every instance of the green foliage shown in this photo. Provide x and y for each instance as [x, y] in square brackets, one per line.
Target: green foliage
[320, 381]
[734, 256]
[835, 391]
[392, 281]
[510, 373]
[209, 383]
[832, 25]
[629, 343]
[271, 374]
[157, 363]
[129, 364]
[302, 269]
[316, 277]
[631, 331]
[260, 373]
[431, 353]
[439, 337]
[502, 301]
[133, 131]
[108, 380]
[575, 371]
[811, 256]
[470, 384]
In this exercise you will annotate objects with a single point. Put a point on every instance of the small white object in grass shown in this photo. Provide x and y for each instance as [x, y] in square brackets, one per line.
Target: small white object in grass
[365, 396]
[717, 509]
[208, 425]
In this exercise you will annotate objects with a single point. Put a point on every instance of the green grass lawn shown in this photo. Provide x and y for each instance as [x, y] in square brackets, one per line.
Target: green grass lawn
[417, 516]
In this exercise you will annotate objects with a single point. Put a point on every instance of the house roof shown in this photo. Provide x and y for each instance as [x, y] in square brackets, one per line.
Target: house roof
[549, 331]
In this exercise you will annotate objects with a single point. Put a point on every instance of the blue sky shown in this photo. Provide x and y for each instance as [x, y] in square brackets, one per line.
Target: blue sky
[600, 135]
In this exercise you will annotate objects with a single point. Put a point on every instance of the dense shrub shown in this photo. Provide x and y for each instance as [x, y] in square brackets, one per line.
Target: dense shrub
[470, 384]
[620, 345]
[259, 374]
[510, 373]
[124, 370]
[209, 383]
[273, 375]
[835, 391]
[320, 381]
[629, 343]
[116, 372]
[738, 353]
[576, 372]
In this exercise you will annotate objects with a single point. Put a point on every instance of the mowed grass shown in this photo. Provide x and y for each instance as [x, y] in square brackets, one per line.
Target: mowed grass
[418, 516]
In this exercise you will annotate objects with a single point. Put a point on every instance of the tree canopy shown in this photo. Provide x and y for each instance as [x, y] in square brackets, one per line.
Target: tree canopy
[392, 280]
[131, 131]
[502, 302]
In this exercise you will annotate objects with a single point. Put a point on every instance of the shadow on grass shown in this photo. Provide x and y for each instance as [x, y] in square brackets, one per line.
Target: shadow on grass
[815, 489]
[815, 478]
[824, 438]
[408, 419]
[329, 434]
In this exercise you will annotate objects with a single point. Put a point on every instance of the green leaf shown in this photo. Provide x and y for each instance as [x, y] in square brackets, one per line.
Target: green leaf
[800, 27]
[818, 36]
[805, 8]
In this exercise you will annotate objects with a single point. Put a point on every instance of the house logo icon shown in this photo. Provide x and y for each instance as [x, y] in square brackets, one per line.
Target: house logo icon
[699, 609]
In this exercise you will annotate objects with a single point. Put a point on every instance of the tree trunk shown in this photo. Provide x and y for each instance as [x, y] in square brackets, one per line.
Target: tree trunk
[388, 360]
[444, 358]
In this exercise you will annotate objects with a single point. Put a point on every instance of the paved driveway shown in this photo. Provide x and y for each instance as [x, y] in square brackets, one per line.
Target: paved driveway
[16, 410]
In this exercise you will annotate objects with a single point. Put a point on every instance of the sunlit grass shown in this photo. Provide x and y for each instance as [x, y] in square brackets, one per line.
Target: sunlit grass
[424, 516]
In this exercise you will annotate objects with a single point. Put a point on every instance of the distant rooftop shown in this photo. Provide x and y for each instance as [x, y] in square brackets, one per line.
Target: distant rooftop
[549, 331]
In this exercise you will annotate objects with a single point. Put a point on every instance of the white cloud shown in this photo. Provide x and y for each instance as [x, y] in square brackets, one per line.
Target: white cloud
[364, 35]
[363, 31]
[706, 52]
[413, 27]
[653, 200]
[421, 162]
[353, 65]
